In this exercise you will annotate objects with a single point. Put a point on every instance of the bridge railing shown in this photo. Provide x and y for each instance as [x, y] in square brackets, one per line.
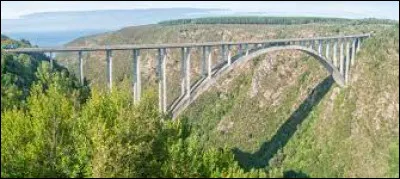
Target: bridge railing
[178, 45]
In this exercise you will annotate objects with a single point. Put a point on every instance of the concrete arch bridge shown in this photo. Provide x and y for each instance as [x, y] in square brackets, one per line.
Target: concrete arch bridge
[337, 54]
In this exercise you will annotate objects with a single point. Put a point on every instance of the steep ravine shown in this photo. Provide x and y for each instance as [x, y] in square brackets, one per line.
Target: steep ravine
[283, 112]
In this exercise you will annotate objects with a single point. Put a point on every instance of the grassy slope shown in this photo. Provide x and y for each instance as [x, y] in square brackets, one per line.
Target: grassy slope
[325, 132]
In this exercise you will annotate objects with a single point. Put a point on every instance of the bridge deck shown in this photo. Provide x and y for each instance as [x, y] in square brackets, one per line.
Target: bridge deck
[173, 45]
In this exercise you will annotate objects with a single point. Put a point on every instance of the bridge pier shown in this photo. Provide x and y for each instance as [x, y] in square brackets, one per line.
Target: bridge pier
[187, 73]
[137, 86]
[162, 80]
[223, 53]
[240, 49]
[229, 55]
[203, 62]
[81, 75]
[209, 63]
[247, 49]
[327, 50]
[346, 76]
[183, 71]
[335, 59]
[341, 59]
[358, 44]
[353, 52]
[109, 69]
[320, 47]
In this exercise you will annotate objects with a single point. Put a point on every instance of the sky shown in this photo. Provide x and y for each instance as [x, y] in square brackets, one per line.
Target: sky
[346, 9]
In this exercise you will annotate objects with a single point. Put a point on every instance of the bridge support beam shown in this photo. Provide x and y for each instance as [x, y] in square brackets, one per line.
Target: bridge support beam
[341, 59]
[209, 63]
[320, 47]
[109, 69]
[223, 52]
[358, 44]
[81, 75]
[203, 62]
[183, 71]
[187, 73]
[162, 80]
[353, 52]
[137, 85]
[247, 49]
[346, 76]
[327, 51]
[335, 59]
[229, 55]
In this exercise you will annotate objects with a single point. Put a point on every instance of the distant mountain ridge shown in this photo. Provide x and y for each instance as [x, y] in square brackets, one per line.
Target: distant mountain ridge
[84, 20]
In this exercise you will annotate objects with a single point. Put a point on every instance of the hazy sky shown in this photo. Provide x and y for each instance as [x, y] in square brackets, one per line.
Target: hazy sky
[349, 9]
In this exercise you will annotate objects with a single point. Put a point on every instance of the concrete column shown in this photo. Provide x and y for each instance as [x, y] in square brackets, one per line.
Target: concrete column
[223, 52]
[81, 75]
[327, 50]
[136, 76]
[353, 52]
[162, 81]
[203, 62]
[209, 64]
[247, 49]
[240, 49]
[187, 61]
[109, 68]
[229, 55]
[183, 71]
[341, 60]
[311, 44]
[335, 59]
[358, 44]
[347, 62]
[320, 47]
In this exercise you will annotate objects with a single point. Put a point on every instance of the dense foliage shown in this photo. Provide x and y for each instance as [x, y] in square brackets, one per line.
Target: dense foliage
[59, 129]
[19, 71]
[57, 136]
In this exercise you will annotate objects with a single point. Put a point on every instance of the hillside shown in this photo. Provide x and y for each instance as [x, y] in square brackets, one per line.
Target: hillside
[20, 71]
[279, 115]
[282, 112]
[275, 20]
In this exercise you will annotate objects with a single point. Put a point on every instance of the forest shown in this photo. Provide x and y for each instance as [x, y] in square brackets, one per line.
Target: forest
[52, 126]
[274, 20]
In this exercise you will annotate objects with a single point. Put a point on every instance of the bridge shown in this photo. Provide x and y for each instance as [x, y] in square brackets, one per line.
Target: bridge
[337, 54]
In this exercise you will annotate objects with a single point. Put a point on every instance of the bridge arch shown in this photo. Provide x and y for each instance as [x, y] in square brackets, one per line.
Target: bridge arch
[205, 84]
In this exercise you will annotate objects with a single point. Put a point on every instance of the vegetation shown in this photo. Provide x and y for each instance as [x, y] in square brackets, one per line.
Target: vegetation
[277, 116]
[281, 115]
[273, 20]
[64, 131]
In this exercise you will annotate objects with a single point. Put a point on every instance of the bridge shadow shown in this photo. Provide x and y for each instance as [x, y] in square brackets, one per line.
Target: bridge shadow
[262, 157]
[294, 174]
